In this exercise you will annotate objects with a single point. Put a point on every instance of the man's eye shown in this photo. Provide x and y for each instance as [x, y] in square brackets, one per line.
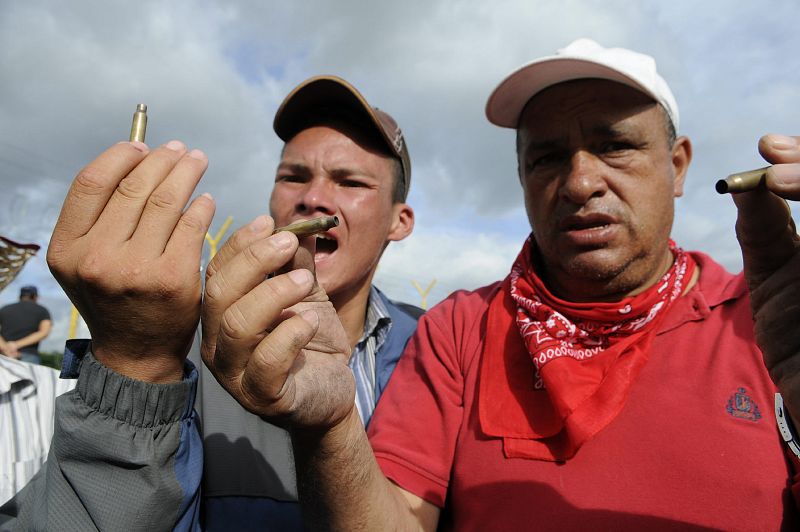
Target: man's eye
[290, 178]
[543, 161]
[352, 183]
[612, 147]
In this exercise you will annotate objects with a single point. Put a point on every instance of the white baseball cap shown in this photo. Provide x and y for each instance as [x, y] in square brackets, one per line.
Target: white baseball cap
[582, 59]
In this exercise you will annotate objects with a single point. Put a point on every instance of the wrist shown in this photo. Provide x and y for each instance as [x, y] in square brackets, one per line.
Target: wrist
[154, 369]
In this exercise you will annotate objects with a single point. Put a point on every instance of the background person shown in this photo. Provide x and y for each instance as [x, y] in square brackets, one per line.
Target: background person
[23, 325]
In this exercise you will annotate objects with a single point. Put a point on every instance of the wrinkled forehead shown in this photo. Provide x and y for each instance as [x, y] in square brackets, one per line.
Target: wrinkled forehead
[585, 99]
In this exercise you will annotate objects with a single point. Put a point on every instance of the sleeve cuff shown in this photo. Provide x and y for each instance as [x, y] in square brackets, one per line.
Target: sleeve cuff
[134, 402]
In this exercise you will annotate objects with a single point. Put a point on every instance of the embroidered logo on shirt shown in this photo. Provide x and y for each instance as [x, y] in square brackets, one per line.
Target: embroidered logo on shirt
[742, 406]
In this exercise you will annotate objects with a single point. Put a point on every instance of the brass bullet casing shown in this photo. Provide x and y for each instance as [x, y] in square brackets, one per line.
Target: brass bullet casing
[741, 182]
[139, 125]
[310, 227]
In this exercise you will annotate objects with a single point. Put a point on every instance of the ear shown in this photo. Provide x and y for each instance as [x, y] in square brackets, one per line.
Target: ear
[681, 157]
[402, 222]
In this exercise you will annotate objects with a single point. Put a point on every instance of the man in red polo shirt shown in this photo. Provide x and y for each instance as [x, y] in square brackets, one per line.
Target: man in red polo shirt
[611, 381]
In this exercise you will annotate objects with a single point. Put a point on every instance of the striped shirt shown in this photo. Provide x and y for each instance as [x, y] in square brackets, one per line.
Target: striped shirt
[362, 361]
[27, 404]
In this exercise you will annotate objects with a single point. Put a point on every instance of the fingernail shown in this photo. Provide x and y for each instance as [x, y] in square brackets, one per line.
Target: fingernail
[175, 145]
[207, 195]
[258, 225]
[782, 142]
[141, 146]
[198, 154]
[282, 240]
[301, 277]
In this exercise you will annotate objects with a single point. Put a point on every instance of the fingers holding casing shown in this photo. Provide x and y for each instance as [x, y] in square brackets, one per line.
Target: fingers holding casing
[783, 151]
[121, 215]
[239, 275]
[165, 205]
[244, 323]
[93, 186]
[266, 379]
[185, 245]
[779, 149]
[261, 227]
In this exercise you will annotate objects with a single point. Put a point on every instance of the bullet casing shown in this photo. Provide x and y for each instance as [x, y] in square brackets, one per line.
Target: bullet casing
[741, 182]
[310, 227]
[139, 125]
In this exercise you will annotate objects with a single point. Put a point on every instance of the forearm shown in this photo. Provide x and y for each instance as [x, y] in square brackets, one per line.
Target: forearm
[124, 455]
[32, 338]
[341, 486]
[8, 349]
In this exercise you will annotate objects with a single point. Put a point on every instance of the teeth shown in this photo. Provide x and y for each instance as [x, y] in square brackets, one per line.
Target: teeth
[323, 237]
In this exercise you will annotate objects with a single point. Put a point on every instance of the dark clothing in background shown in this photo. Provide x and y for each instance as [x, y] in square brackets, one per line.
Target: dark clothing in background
[20, 319]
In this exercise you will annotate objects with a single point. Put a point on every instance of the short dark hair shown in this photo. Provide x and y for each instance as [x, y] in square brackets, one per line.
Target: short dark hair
[28, 292]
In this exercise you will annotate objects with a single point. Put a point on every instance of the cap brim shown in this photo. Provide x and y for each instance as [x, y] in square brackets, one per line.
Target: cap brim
[507, 101]
[319, 91]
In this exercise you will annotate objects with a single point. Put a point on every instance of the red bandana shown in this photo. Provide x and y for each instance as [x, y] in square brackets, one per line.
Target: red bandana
[585, 358]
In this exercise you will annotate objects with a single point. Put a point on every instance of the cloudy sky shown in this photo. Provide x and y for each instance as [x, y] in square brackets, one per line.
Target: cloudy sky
[213, 73]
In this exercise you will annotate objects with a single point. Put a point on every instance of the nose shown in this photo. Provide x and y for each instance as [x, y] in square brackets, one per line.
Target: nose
[585, 178]
[316, 197]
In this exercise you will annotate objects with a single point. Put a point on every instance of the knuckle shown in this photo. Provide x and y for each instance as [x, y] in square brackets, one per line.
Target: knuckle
[91, 267]
[216, 287]
[273, 289]
[55, 256]
[253, 254]
[164, 200]
[132, 188]
[211, 270]
[90, 181]
[191, 223]
[234, 323]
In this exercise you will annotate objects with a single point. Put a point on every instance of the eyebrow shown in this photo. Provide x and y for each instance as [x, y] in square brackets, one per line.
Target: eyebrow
[602, 130]
[336, 173]
[295, 168]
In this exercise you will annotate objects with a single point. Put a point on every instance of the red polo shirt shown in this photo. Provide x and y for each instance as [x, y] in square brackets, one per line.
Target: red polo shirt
[694, 448]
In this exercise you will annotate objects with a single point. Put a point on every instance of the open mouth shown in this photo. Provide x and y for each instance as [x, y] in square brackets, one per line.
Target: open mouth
[326, 245]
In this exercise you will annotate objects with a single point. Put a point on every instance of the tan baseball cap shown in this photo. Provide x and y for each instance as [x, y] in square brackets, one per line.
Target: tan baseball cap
[332, 92]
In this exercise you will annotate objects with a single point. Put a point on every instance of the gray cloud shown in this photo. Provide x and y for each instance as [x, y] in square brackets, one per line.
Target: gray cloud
[213, 73]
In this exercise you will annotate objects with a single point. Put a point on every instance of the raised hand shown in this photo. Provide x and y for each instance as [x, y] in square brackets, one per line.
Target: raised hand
[771, 252]
[276, 345]
[128, 255]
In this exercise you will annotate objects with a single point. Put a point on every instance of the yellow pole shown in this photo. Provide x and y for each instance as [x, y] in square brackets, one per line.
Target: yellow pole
[212, 242]
[73, 323]
[423, 293]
